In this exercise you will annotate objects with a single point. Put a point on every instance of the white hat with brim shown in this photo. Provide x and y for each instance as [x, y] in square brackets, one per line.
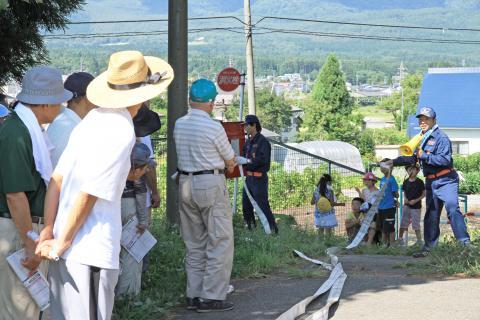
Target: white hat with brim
[129, 80]
[3, 111]
[43, 85]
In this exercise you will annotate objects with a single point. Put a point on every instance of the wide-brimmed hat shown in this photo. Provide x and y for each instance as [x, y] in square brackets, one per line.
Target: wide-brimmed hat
[129, 80]
[43, 85]
[146, 122]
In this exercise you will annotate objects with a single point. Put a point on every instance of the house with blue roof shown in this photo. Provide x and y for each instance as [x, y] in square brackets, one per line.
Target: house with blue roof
[454, 93]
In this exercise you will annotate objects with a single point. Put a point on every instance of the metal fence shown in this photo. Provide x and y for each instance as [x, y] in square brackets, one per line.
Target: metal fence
[293, 176]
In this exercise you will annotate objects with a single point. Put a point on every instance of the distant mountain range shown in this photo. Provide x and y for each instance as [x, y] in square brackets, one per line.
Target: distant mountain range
[429, 13]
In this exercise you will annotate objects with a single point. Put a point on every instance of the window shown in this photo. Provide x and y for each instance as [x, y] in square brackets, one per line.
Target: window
[460, 147]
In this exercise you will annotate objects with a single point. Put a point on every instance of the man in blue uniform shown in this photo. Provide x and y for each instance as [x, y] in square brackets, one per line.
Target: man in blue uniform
[257, 163]
[435, 156]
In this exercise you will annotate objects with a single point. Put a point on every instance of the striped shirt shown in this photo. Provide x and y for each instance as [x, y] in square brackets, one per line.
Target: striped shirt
[201, 142]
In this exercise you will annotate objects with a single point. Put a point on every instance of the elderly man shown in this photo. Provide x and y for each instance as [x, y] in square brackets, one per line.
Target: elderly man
[87, 185]
[203, 152]
[435, 157]
[77, 108]
[25, 169]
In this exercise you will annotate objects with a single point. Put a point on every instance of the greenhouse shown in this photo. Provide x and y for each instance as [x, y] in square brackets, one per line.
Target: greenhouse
[336, 151]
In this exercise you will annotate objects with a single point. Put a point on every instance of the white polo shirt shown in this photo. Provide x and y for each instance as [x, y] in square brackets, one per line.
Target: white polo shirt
[201, 142]
[96, 161]
[59, 132]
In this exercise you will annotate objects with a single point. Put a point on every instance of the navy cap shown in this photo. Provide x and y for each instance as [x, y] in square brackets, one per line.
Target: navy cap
[251, 118]
[427, 112]
[77, 83]
[140, 155]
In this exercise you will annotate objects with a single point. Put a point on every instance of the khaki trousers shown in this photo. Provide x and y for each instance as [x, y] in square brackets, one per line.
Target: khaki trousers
[207, 230]
[15, 301]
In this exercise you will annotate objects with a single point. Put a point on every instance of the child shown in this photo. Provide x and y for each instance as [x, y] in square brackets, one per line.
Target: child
[134, 204]
[388, 206]
[368, 195]
[324, 200]
[354, 219]
[414, 191]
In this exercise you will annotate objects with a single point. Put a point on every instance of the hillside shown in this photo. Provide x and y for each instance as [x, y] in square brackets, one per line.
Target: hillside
[276, 46]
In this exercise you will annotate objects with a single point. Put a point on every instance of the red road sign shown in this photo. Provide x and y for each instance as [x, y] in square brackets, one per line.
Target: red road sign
[228, 79]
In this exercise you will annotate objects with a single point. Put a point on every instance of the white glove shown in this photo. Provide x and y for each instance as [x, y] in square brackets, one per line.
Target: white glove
[242, 160]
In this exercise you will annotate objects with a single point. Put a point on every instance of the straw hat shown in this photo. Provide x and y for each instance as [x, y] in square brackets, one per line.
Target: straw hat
[130, 79]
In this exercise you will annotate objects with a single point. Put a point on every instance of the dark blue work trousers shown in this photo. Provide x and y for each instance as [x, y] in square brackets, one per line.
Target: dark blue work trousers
[440, 192]
[258, 187]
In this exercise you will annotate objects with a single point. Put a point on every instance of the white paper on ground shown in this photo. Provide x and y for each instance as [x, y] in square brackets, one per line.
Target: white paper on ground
[36, 284]
[137, 244]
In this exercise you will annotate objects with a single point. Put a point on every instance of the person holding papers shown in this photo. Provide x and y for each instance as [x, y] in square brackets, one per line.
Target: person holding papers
[25, 169]
[83, 201]
[134, 205]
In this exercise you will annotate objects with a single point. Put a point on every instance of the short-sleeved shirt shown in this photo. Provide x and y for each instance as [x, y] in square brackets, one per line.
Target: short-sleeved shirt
[388, 201]
[96, 161]
[17, 166]
[201, 142]
[413, 190]
[59, 132]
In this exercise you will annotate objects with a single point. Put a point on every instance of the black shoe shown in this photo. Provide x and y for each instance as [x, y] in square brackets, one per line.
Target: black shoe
[214, 305]
[192, 303]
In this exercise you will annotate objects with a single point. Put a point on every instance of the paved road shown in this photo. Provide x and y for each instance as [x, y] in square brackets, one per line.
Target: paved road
[376, 288]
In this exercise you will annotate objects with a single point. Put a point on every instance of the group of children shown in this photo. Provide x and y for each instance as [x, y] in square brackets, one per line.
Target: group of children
[382, 228]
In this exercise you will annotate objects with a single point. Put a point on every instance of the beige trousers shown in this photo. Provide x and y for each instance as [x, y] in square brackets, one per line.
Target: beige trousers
[207, 230]
[15, 301]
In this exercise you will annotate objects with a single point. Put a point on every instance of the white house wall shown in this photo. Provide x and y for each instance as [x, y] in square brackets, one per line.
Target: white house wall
[470, 135]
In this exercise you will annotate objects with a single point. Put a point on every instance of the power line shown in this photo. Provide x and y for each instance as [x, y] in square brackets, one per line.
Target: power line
[443, 29]
[151, 20]
[364, 36]
[132, 33]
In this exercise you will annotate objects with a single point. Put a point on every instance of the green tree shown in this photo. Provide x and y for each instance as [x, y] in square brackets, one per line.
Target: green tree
[411, 86]
[22, 44]
[273, 111]
[330, 88]
[328, 111]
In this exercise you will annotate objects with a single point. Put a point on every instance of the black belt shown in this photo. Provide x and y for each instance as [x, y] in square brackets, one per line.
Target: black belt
[220, 171]
[35, 219]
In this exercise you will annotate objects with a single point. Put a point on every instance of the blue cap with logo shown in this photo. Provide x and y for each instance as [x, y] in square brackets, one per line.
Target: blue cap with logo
[427, 112]
[203, 90]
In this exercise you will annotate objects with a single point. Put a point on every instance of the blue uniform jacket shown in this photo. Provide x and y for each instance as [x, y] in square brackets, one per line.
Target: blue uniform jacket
[437, 154]
[258, 151]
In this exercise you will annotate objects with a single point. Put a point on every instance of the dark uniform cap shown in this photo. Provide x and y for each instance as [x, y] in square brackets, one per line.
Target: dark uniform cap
[251, 118]
[146, 122]
[77, 83]
[427, 112]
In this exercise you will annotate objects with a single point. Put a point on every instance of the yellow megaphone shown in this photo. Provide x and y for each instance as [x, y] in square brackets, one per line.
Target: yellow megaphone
[409, 148]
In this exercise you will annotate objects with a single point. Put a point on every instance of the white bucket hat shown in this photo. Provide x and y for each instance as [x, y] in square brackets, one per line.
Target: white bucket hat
[43, 85]
[130, 79]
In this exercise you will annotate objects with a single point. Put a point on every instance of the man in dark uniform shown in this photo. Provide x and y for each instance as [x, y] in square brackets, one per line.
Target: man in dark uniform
[257, 163]
[435, 156]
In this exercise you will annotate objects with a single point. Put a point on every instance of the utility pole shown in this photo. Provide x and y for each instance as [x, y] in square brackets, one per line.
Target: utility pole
[177, 93]
[249, 57]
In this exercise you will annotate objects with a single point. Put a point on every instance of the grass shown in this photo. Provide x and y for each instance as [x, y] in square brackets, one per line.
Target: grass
[256, 255]
[375, 112]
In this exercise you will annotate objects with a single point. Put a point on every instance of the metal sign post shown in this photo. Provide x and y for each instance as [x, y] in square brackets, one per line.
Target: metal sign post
[240, 117]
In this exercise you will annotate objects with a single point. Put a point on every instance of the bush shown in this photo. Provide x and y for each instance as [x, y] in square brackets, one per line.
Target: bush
[467, 164]
[472, 183]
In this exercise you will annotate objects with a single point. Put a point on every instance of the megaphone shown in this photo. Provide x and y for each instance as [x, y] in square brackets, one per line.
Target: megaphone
[409, 148]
